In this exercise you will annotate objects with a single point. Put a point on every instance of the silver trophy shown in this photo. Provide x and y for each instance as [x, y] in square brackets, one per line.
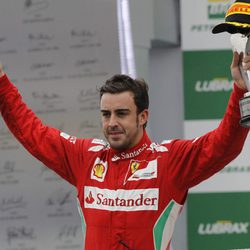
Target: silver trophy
[241, 43]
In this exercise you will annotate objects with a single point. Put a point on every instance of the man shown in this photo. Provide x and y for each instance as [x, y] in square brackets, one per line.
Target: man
[130, 190]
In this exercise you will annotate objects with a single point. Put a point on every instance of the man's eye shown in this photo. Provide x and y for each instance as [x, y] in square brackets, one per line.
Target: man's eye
[121, 113]
[105, 114]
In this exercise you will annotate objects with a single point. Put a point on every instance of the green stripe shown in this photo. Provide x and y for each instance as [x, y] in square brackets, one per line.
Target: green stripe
[159, 226]
[82, 220]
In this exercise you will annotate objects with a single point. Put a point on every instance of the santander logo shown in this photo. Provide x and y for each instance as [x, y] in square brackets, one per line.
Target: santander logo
[90, 198]
[121, 199]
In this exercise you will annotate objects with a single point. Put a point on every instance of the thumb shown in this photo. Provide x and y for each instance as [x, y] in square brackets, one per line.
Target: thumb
[237, 59]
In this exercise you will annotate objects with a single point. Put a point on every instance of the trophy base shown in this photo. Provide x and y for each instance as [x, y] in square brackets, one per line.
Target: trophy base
[245, 110]
[245, 122]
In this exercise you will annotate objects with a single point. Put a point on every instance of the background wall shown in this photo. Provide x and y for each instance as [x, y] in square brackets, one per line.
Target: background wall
[158, 56]
[57, 52]
[166, 112]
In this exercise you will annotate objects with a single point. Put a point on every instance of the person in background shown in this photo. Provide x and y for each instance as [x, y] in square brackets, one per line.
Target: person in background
[130, 189]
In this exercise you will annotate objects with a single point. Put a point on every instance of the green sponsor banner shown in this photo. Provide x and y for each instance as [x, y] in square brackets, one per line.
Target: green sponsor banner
[218, 221]
[207, 83]
[218, 9]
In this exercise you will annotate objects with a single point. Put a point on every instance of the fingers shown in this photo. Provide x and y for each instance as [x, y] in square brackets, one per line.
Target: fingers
[246, 62]
[240, 59]
[241, 56]
[237, 59]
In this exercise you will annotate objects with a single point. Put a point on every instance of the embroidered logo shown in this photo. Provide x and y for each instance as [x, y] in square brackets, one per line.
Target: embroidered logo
[121, 199]
[127, 155]
[100, 145]
[141, 170]
[71, 139]
[89, 199]
[158, 148]
[99, 141]
[99, 170]
[96, 148]
[134, 165]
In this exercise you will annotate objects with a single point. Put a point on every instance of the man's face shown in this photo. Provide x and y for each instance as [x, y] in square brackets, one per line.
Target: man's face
[122, 126]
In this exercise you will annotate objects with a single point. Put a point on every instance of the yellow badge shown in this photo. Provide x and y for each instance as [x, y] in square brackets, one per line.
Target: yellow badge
[134, 166]
[99, 170]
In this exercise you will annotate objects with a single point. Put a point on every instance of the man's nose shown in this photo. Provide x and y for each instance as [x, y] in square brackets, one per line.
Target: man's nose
[112, 120]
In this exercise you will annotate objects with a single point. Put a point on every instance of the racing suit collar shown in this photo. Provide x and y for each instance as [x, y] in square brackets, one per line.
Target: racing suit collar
[132, 152]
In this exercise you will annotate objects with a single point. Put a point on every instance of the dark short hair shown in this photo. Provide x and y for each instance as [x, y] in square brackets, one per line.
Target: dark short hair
[120, 83]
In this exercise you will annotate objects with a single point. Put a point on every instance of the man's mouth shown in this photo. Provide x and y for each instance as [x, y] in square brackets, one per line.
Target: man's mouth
[115, 133]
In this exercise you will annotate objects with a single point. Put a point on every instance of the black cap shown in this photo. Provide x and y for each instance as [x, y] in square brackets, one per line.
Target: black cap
[237, 19]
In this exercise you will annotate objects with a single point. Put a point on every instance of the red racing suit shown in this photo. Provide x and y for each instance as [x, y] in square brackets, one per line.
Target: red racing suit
[129, 199]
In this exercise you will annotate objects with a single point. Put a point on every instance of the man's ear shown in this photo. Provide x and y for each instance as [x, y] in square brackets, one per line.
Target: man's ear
[143, 117]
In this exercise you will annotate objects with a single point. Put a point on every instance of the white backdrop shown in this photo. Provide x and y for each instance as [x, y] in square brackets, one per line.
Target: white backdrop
[57, 52]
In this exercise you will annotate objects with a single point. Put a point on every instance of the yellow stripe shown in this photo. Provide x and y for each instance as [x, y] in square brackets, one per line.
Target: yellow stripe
[242, 25]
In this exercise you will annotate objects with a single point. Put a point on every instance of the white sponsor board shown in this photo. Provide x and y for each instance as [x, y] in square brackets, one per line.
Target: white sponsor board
[198, 17]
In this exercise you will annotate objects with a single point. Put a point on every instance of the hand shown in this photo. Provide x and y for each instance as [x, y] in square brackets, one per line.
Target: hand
[1, 70]
[239, 60]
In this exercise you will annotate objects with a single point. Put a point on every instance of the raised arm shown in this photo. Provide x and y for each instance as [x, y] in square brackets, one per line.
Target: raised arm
[192, 161]
[56, 150]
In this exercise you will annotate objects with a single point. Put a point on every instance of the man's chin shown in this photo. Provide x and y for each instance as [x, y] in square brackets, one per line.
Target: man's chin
[117, 145]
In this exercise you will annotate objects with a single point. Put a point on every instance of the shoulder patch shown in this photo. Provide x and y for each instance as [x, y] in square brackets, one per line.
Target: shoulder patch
[101, 145]
[166, 141]
[99, 141]
[69, 138]
[96, 148]
[157, 148]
